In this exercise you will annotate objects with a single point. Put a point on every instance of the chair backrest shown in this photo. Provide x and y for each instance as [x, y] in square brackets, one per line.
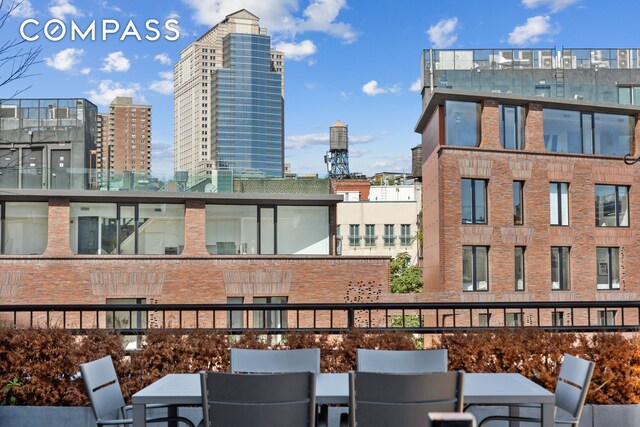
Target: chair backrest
[384, 399]
[402, 361]
[265, 361]
[284, 399]
[101, 382]
[573, 384]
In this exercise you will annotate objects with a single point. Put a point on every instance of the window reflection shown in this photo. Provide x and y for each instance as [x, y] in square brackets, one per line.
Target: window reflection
[462, 123]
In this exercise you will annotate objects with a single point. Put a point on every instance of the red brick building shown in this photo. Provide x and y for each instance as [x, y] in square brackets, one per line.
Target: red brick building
[93, 247]
[529, 199]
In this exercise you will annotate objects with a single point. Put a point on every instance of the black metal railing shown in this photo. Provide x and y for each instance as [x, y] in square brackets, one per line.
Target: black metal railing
[590, 316]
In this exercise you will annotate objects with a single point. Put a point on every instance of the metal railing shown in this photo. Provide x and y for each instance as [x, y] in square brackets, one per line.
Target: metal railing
[590, 316]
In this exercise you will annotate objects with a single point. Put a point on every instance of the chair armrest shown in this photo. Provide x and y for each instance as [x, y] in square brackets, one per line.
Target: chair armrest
[149, 420]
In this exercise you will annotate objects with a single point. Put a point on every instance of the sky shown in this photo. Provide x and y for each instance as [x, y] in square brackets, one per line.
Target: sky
[357, 61]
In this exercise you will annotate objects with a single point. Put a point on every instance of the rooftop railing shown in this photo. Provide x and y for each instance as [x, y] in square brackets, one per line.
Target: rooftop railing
[135, 319]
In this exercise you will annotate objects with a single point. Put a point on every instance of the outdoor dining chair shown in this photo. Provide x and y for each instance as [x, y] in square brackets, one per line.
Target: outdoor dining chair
[391, 399]
[402, 361]
[571, 393]
[265, 361]
[101, 382]
[283, 399]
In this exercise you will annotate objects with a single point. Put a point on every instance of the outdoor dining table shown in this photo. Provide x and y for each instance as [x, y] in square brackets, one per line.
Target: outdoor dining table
[481, 389]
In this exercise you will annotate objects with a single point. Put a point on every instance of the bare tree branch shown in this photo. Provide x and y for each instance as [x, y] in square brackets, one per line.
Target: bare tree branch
[17, 55]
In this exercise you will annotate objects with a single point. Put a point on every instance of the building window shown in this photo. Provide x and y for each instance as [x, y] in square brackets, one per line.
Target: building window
[389, 235]
[474, 201]
[513, 320]
[560, 277]
[23, 228]
[370, 235]
[519, 268]
[606, 317]
[354, 234]
[112, 228]
[462, 123]
[132, 319]
[608, 268]
[270, 319]
[557, 318]
[629, 95]
[518, 202]
[559, 203]
[568, 131]
[475, 275]
[612, 206]
[484, 320]
[235, 318]
[303, 230]
[511, 127]
[405, 235]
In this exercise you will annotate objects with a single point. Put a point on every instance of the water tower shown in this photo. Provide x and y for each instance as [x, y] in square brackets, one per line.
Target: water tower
[337, 159]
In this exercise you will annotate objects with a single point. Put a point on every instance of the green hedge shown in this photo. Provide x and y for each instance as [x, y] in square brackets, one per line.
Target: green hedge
[41, 367]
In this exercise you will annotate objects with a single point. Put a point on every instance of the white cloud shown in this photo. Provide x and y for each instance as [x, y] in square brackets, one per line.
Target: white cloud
[61, 8]
[306, 140]
[162, 58]
[554, 5]
[23, 10]
[64, 60]
[345, 95]
[106, 5]
[297, 51]
[164, 86]
[281, 17]
[416, 86]
[355, 153]
[531, 31]
[372, 89]
[107, 90]
[85, 71]
[395, 164]
[442, 34]
[116, 61]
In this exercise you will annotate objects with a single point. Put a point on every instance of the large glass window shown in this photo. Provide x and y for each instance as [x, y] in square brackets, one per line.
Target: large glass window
[24, 227]
[389, 235]
[608, 268]
[266, 319]
[518, 202]
[132, 319]
[568, 131]
[370, 235]
[354, 234]
[235, 318]
[606, 317]
[110, 228]
[613, 134]
[405, 235]
[511, 127]
[560, 277]
[519, 268]
[475, 276]
[474, 201]
[462, 122]
[232, 229]
[559, 203]
[612, 206]
[303, 230]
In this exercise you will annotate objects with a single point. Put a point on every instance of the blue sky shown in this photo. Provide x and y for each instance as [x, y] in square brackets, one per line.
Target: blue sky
[351, 60]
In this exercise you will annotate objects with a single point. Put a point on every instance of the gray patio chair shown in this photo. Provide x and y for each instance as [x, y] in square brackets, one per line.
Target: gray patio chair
[265, 361]
[402, 361]
[284, 399]
[103, 388]
[571, 393]
[390, 399]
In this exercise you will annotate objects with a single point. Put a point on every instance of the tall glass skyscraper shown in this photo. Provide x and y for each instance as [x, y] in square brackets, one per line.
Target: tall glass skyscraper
[247, 119]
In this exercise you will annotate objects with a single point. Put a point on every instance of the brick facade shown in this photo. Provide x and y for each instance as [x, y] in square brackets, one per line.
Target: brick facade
[194, 276]
[445, 234]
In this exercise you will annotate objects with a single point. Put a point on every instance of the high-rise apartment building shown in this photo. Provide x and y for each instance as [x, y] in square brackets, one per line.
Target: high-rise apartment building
[228, 101]
[527, 196]
[124, 143]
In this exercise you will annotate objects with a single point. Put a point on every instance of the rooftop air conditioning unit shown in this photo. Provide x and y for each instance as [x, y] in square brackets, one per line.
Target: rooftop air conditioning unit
[624, 58]
[545, 59]
[567, 61]
[8, 111]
